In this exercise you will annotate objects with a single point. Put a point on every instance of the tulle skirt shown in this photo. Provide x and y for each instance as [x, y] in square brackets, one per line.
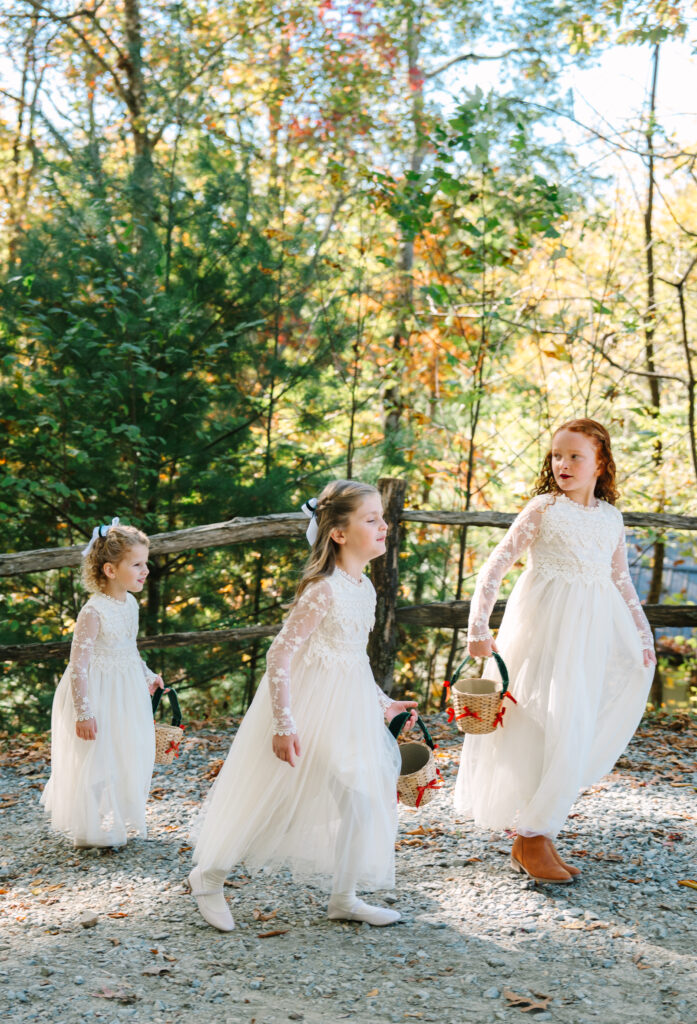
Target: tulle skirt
[331, 818]
[576, 669]
[98, 788]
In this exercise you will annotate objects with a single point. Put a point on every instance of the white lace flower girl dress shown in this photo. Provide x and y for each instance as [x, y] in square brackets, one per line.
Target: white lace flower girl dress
[332, 817]
[572, 639]
[98, 788]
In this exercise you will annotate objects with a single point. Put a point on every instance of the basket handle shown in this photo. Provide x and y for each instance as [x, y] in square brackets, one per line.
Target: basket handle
[173, 703]
[400, 720]
[501, 667]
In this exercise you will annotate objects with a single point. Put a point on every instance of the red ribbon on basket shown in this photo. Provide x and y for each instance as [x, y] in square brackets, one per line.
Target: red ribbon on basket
[467, 713]
[420, 790]
[502, 710]
[174, 746]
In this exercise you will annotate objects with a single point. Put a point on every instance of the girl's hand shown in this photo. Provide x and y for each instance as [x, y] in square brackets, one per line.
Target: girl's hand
[286, 748]
[86, 730]
[155, 684]
[481, 648]
[397, 706]
[649, 656]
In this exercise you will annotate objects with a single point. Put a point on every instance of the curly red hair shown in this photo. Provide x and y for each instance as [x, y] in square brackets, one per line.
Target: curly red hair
[605, 487]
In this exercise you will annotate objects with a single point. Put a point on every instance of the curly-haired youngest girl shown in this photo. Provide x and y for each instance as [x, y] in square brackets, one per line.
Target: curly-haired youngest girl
[578, 648]
[102, 732]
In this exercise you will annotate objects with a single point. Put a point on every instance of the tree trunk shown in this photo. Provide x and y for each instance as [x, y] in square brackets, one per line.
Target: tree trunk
[136, 102]
[656, 583]
[394, 402]
[382, 646]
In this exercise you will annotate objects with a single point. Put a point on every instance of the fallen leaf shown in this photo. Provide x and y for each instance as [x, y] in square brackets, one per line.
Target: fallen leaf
[118, 913]
[213, 769]
[270, 935]
[526, 1003]
[690, 883]
[259, 916]
[373, 992]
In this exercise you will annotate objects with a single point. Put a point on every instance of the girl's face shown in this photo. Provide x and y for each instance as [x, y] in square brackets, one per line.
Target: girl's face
[131, 572]
[364, 537]
[574, 461]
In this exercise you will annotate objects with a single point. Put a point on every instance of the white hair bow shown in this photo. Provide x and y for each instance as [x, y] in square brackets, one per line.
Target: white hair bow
[310, 510]
[99, 531]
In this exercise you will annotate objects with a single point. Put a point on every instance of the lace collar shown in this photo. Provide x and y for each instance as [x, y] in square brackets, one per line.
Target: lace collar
[577, 504]
[348, 576]
[114, 600]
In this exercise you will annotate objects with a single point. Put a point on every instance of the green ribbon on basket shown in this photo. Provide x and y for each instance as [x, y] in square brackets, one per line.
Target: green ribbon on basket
[400, 720]
[501, 667]
[173, 703]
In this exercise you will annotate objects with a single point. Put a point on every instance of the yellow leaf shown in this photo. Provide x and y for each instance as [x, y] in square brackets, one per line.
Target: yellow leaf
[373, 992]
[689, 882]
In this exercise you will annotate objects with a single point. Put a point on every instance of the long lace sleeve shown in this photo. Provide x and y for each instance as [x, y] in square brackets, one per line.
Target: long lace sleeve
[86, 630]
[520, 536]
[383, 700]
[147, 672]
[623, 582]
[303, 620]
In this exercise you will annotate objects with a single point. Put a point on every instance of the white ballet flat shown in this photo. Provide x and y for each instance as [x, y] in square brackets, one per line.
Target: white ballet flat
[356, 910]
[211, 902]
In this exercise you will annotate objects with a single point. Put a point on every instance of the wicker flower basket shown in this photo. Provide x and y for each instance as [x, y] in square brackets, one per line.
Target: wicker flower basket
[477, 704]
[419, 776]
[167, 737]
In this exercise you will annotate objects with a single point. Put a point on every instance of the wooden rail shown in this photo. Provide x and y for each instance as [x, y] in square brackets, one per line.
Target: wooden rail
[290, 524]
[446, 614]
[215, 535]
[442, 614]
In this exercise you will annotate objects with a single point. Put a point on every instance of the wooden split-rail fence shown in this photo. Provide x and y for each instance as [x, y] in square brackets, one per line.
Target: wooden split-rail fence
[384, 571]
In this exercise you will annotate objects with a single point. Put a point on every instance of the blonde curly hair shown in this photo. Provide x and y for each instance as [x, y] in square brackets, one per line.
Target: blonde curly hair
[110, 548]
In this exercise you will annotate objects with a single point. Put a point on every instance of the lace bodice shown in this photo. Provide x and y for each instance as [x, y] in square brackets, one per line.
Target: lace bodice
[331, 623]
[105, 628]
[566, 540]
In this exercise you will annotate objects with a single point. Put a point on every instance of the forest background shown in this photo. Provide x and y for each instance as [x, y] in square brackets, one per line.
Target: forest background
[248, 247]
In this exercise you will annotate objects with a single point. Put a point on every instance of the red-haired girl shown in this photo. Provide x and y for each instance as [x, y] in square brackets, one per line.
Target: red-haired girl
[578, 648]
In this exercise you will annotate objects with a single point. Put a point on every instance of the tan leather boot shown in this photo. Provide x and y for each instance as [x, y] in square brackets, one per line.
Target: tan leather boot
[532, 855]
[571, 868]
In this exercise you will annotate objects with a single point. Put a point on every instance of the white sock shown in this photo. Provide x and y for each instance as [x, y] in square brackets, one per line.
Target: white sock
[210, 888]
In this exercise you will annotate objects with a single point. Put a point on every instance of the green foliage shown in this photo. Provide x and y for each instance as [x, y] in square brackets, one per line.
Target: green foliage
[277, 244]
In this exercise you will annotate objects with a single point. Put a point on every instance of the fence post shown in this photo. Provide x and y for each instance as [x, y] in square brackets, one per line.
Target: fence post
[384, 572]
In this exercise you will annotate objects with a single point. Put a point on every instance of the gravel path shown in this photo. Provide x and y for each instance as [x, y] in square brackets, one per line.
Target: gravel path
[113, 935]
